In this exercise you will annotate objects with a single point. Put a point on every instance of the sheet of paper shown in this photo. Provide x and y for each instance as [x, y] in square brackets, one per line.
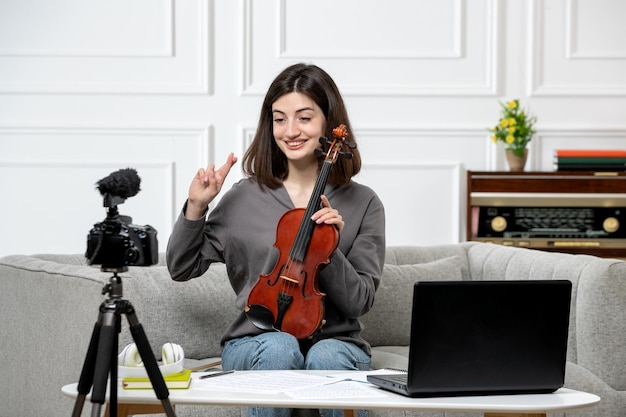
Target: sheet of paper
[343, 389]
[275, 382]
[270, 382]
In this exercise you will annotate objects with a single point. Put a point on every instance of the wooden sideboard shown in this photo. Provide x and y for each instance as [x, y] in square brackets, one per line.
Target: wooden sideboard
[569, 211]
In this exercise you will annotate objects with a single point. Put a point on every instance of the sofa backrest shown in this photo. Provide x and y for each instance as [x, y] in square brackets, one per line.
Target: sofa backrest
[196, 313]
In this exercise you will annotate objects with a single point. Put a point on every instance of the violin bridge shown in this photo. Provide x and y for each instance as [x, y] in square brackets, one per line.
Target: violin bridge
[289, 279]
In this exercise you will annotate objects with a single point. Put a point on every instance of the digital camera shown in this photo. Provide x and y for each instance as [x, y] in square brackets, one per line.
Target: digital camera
[116, 242]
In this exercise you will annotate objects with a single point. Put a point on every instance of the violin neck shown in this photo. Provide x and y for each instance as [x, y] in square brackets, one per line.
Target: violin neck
[303, 238]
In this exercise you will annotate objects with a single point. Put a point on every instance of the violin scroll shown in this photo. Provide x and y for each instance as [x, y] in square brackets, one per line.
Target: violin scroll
[340, 134]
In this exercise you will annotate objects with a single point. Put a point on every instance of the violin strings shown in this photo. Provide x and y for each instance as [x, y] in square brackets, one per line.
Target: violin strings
[306, 228]
[305, 231]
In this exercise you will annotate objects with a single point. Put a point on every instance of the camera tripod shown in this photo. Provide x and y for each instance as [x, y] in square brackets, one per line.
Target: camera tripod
[101, 359]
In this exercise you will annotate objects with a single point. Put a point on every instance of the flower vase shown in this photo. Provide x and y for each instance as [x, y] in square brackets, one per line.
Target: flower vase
[515, 161]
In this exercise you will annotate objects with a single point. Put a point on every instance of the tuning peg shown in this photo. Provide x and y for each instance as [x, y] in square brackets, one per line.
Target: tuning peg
[324, 140]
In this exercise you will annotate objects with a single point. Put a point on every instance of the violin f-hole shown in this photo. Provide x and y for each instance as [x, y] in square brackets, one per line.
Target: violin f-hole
[271, 282]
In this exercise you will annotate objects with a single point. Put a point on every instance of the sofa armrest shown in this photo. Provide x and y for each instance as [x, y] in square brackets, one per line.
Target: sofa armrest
[601, 321]
[50, 312]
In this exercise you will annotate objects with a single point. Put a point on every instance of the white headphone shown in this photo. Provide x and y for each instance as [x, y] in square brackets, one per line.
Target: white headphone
[170, 353]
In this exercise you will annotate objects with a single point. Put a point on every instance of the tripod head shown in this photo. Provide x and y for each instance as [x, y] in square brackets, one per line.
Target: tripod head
[114, 287]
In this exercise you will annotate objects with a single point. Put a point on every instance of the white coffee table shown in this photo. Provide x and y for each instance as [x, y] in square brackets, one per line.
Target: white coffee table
[531, 405]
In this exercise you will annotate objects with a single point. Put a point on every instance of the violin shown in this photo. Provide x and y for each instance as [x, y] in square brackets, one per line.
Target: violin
[288, 299]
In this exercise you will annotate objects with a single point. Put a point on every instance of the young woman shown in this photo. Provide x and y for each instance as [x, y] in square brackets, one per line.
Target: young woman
[282, 167]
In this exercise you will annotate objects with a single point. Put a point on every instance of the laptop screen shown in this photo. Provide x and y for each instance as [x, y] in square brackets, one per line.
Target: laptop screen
[489, 336]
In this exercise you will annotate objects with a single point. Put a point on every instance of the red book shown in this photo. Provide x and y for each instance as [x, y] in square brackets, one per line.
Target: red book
[595, 153]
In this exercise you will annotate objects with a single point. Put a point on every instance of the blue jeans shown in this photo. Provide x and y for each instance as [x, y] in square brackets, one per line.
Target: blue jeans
[281, 351]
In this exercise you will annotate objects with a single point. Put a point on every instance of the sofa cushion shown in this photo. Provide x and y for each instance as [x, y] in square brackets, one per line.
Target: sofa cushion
[389, 320]
[390, 357]
[411, 255]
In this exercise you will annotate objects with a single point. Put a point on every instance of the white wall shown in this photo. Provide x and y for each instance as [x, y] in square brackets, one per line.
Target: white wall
[89, 87]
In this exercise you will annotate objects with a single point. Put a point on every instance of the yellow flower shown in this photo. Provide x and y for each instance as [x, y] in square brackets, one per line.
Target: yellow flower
[514, 127]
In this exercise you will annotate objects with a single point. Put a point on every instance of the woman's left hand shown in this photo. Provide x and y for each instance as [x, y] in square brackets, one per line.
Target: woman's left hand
[328, 215]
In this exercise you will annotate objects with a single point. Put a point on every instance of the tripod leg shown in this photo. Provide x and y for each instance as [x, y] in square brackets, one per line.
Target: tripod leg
[152, 368]
[86, 376]
[113, 406]
[103, 364]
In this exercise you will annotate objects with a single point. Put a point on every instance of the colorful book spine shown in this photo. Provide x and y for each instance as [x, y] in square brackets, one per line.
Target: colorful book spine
[590, 160]
[590, 153]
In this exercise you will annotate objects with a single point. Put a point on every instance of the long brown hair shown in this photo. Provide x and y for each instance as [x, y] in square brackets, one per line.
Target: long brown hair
[264, 161]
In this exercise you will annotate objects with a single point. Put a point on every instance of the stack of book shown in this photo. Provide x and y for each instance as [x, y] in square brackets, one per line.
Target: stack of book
[590, 160]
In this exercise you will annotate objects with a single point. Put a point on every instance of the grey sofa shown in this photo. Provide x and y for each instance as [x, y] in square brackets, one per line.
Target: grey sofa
[50, 304]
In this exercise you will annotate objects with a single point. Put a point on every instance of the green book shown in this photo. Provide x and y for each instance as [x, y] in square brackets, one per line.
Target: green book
[180, 380]
[590, 160]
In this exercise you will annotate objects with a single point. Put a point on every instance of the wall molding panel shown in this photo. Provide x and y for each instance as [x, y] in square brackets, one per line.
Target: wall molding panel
[584, 41]
[38, 35]
[571, 58]
[166, 53]
[67, 162]
[416, 221]
[66, 185]
[400, 45]
[466, 65]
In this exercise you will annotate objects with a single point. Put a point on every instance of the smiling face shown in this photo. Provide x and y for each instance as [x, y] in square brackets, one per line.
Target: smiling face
[298, 124]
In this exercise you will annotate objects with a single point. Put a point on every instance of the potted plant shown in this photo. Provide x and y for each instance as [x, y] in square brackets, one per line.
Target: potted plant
[515, 130]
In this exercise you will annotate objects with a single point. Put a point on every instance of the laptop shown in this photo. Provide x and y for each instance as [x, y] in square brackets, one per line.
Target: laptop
[485, 338]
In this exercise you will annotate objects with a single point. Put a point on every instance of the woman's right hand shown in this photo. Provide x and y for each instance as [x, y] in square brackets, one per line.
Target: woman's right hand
[205, 186]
